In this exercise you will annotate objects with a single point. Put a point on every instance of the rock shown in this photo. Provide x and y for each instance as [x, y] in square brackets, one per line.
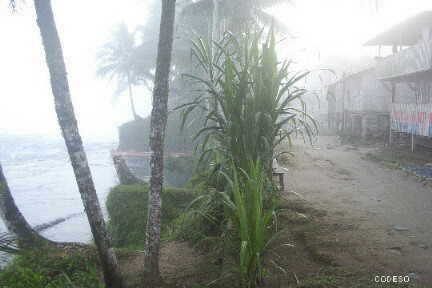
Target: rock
[351, 148]
[397, 248]
[400, 228]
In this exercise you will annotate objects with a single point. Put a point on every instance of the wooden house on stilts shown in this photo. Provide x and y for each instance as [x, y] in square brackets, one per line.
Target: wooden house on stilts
[409, 73]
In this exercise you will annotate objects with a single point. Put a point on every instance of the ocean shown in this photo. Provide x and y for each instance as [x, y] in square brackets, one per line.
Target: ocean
[41, 179]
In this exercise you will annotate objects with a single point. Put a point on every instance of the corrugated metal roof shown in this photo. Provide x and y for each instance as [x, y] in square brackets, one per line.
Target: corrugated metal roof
[406, 33]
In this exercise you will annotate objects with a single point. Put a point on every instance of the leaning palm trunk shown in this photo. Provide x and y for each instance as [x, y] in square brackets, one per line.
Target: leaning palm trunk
[14, 220]
[157, 135]
[124, 174]
[69, 127]
[132, 102]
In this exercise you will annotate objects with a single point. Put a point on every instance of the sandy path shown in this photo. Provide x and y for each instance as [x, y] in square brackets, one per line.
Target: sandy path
[374, 199]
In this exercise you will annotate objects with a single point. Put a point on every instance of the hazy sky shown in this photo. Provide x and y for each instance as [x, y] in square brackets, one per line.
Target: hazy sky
[331, 29]
[26, 101]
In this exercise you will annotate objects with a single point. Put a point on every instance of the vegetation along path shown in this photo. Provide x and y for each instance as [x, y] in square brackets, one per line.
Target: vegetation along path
[386, 213]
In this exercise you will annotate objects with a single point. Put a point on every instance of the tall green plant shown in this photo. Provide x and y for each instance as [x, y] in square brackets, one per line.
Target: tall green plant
[252, 101]
[245, 208]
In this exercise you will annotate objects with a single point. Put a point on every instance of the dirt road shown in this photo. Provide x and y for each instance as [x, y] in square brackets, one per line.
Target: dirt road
[389, 211]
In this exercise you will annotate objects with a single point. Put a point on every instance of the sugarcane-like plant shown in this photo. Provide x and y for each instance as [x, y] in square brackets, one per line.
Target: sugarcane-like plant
[251, 101]
[244, 205]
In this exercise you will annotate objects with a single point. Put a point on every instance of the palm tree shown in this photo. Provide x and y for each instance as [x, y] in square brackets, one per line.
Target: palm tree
[238, 15]
[14, 220]
[69, 128]
[116, 59]
[157, 136]
[146, 51]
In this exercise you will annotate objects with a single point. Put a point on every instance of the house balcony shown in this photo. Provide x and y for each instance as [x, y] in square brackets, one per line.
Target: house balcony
[407, 63]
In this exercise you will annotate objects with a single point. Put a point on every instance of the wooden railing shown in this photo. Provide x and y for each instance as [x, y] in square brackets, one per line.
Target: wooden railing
[147, 154]
[406, 62]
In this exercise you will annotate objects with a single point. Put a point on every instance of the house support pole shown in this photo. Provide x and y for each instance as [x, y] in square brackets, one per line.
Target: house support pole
[412, 142]
[393, 95]
[390, 136]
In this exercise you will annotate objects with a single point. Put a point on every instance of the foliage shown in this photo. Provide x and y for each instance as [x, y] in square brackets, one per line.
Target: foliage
[234, 222]
[115, 57]
[202, 221]
[116, 60]
[179, 169]
[240, 15]
[127, 210]
[146, 49]
[252, 101]
[134, 135]
[8, 242]
[245, 209]
[52, 269]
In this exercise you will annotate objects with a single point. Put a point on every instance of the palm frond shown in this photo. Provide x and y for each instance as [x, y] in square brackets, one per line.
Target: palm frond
[12, 4]
[8, 243]
[271, 3]
[269, 20]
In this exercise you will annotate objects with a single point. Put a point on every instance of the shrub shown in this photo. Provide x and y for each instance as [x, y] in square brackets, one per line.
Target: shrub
[49, 268]
[127, 210]
[179, 170]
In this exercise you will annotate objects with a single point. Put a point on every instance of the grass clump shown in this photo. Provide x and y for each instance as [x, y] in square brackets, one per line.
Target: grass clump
[179, 169]
[395, 157]
[245, 209]
[52, 268]
[127, 210]
[319, 282]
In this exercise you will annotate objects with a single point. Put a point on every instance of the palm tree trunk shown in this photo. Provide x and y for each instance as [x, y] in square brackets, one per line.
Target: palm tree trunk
[13, 219]
[157, 135]
[131, 98]
[69, 127]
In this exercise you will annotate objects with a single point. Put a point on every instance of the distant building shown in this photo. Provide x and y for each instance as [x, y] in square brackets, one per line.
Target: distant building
[409, 72]
[358, 105]
[399, 86]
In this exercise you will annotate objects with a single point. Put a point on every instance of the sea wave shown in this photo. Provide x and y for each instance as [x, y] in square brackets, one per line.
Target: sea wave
[43, 185]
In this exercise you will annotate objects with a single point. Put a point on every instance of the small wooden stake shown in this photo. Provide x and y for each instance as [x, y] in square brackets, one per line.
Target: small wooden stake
[390, 136]
[412, 142]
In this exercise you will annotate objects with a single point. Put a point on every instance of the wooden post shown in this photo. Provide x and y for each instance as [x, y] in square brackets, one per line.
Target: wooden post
[343, 103]
[412, 142]
[281, 182]
[393, 94]
[390, 135]
[395, 48]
